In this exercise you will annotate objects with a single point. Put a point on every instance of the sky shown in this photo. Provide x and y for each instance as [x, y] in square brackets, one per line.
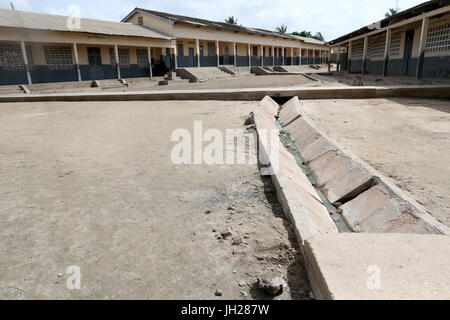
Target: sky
[333, 18]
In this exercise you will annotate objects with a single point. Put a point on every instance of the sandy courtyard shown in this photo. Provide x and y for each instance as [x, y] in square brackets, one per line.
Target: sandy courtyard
[406, 139]
[92, 185]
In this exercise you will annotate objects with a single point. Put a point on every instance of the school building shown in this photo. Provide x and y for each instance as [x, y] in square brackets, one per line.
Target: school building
[414, 42]
[204, 43]
[40, 48]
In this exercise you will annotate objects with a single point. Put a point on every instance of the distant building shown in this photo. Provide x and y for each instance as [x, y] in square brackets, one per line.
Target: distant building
[37, 48]
[204, 43]
[414, 42]
[40, 48]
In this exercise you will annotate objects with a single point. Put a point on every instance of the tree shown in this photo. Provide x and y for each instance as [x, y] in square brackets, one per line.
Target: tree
[282, 29]
[231, 20]
[391, 12]
[308, 34]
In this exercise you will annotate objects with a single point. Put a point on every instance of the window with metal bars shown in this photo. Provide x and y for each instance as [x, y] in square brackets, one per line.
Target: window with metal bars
[357, 50]
[142, 58]
[11, 58]
[377, 47]
[395, 45]
[438, 39]
[58, 57]
[124, 57]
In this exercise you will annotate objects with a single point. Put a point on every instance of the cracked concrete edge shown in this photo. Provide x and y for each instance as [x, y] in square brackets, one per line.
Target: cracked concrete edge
[418, 210]
[308, 216]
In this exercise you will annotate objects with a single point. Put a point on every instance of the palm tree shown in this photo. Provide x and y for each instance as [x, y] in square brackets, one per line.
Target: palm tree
[282, 29]
[231, 20]
[391, 12]
[319, 36]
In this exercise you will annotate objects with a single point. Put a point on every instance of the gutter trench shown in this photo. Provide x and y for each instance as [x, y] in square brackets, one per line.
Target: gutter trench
[335, 214]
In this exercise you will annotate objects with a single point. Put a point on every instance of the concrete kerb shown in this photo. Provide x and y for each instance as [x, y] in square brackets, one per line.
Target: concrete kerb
[251, 94]
[355, 266]
[299, 199]
[290, 111]
[344, 177]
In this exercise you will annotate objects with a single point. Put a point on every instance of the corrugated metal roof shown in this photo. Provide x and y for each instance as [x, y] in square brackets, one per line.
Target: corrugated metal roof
[403, 15]
[39, 21]
[222, 25]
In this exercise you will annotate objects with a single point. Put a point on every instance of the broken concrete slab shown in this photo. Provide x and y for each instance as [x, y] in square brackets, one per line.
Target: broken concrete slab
[270, 105]
[317, 149]
[290, 111]
[379, 209]
[302, 133]
[350, 266]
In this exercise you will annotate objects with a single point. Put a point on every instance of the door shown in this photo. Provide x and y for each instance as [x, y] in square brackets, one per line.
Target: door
[191, 57]
[95, 63]
[226, 55]
[407, 56]
[180, 55]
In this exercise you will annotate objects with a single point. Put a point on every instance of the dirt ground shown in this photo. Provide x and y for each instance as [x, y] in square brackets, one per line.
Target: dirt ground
[92, 185]
[406, 139]
[343, 78]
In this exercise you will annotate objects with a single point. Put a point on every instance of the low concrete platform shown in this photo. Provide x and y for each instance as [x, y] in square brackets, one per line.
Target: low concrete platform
[250, 94]
[379, 266]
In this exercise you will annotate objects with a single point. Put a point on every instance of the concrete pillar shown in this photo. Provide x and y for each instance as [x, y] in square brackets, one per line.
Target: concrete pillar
[329, 60]
[249, 56]
[218, 52]
[387, 51]
[366, 49]
[26, 62]
[338, 59]
[197, 44]
[175, 54]
[299, 55]
[149, 52]
[77, 61]
[235, 54]
[422, 45]
[349, 55]
[282, 55]
[292, 56]
[262, 55]
[116, 53]
[273, 56]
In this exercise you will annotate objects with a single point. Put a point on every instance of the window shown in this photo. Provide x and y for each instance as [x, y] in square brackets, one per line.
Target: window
[270, 52]
[58, 57]
[280, 52]
[357, 50]
[377, 47]
[438, 39]
[211, 49]
[11, 57]
[202, 51]
[124, 57]
[395, 45]
[142, 58]
[140, 21]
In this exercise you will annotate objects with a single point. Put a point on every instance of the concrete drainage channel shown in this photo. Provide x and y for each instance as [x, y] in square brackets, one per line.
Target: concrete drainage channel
[361, 236]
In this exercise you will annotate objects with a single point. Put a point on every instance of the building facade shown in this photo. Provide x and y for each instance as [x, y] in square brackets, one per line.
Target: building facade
[204, 43]
[39, 48]
[414, 42]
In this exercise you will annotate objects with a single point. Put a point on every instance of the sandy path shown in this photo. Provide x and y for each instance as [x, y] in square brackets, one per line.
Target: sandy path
[92, 184]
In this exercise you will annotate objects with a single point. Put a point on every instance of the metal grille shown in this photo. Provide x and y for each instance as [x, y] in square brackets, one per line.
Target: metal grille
[357, 50]
[211, 50]
[376, 47]
[58, 57]
[438, 39]
[112, 57]
[226, 51]
[142, 58]
[124, 58]
[11, 58]
[395, 45]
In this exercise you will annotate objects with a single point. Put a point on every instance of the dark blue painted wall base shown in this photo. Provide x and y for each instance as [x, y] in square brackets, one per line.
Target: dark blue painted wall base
[12, 77]
[242, 61]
